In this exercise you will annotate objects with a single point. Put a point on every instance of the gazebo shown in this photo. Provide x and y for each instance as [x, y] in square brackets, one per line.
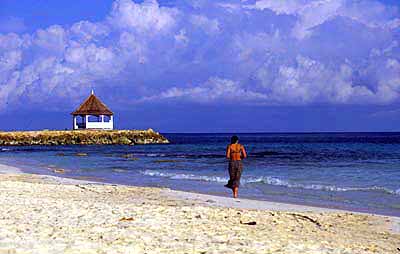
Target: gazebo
[92, 114]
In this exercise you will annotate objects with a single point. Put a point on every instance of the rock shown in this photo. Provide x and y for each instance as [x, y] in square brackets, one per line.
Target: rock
[126, 219]
[124, 140]
[59, 171]
[82, 137]
[251, 223]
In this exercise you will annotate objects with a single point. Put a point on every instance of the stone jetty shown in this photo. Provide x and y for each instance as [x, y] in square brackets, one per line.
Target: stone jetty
[81, 137]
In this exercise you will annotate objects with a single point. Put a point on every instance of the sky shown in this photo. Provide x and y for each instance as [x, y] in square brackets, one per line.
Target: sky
[203, 66]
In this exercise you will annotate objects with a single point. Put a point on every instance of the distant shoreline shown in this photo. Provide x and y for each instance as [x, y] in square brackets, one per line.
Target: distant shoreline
[81, 137]
[294, 133]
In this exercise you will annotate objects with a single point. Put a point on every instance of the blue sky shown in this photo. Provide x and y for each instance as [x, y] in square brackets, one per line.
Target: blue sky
[203, 66]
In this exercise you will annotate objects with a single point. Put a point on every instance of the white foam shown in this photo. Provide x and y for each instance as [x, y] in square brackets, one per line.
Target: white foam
[151, 155]
[268, 180]
[280, 182]
[186, 176]
[5, 169]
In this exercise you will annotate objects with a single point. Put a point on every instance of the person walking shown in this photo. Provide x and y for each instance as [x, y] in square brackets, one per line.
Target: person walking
[235, 152]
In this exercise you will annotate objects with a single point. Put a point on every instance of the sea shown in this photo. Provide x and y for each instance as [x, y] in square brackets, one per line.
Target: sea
[353, 171]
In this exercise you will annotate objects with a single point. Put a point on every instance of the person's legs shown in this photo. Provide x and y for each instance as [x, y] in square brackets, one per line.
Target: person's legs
[238, 175]
[235, 172]
[235, 192]
[231, 176]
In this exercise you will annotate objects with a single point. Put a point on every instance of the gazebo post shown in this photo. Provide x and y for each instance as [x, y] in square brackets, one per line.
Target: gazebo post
[74, 122]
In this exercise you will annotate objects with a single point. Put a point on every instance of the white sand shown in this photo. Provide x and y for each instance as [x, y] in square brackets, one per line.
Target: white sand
[41, 214]
[242, 203]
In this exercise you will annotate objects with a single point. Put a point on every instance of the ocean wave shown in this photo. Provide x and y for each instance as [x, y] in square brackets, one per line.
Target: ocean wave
[141, 154]
[199, 156]
[185, 176]
[280, 182]
[154, 155]
[268, 180]
[5, 149]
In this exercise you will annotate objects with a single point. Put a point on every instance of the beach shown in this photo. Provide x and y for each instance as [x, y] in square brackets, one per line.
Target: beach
[357, 172]
[47, 214]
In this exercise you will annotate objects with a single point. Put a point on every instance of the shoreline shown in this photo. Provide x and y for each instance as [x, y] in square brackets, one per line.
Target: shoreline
[205, 199]
[54, 214]
[223, 201]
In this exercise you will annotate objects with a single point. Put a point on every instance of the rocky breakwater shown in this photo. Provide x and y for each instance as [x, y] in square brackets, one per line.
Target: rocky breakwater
[82, 137]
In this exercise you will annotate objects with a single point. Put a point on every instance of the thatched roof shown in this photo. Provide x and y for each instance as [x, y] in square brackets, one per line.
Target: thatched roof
[92, 106]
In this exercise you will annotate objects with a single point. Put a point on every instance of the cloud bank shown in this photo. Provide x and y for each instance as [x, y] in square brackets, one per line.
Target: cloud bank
[251, 52]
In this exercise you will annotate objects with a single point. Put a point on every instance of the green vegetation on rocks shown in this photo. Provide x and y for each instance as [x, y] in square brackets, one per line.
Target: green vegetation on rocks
[82, 137]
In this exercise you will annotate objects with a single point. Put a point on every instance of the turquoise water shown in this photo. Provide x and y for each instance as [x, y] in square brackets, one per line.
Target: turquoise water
[355, 171]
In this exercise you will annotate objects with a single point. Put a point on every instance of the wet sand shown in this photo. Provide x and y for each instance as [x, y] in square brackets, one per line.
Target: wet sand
[44, 214]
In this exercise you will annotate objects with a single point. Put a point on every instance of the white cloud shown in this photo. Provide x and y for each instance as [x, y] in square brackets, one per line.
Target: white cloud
[312, 13]
[305, 81]
[394, 24]
[11, 41]
[230, 7]
[10, 60]
[181, 38]
[144, 48]
[52, 39]
[147, 17]
[214, 89]
[131, 48]
[310, 81]
[288, 7]
[309, 13]
[66, 61]
[86, 31]
[210, 26]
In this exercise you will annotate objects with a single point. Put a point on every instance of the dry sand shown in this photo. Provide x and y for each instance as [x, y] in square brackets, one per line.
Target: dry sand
[42, 214]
